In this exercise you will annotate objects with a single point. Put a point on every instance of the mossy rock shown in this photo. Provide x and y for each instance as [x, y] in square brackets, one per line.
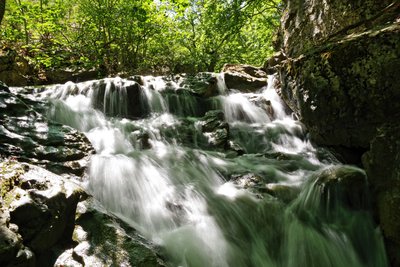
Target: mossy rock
[343, 91]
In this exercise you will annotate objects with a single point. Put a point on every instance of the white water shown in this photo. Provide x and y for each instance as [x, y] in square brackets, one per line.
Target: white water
[178, 194]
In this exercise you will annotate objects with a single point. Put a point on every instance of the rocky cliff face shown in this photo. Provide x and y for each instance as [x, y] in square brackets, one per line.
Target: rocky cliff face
[306, 24]
[342, 76]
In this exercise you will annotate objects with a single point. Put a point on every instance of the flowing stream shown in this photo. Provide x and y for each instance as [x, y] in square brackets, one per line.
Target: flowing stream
[225, 180]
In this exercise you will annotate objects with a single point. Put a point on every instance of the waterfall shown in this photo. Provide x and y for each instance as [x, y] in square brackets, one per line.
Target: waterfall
[219, 180]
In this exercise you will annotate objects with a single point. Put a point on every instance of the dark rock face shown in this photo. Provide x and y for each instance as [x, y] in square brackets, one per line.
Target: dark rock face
[342, 89]
[27, 136]
[117, 97]
[382, 164]
[342, 76]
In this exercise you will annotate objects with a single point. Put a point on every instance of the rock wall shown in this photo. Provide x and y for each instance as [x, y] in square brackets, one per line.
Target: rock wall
[342, 89]
[306, 24]
[341, 75]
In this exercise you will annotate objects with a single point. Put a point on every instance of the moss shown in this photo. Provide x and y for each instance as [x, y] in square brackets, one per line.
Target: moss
[10, 173]
[346, 89]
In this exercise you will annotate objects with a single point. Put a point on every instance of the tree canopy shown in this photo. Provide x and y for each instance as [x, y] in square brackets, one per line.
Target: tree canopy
[141, 36]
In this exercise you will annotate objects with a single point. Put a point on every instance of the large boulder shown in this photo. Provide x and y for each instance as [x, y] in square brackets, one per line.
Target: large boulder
[244, 78]
[204, 84]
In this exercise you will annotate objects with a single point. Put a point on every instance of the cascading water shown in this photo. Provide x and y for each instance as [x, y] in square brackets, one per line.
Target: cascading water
[251, 200]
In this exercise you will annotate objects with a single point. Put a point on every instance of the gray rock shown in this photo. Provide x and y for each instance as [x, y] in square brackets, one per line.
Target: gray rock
[203, 84]
[215, 129]
[244, 78]
[104, 240]
[305, 24]
[27, 135]
[10, 244]
[39, 213]
[45, 208]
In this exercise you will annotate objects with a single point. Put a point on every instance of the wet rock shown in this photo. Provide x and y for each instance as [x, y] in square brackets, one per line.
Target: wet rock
[262, 188]
[341, 77]
[40, 213]
[184, 102]
[141, 139]
[137, 78]
[187, 133]
[249, 180]
[215, 129]
[27, 135]
[119, 97]
[203, 84]
[265, 104]
[134, 97]
[97, 235]
[236, 148]
[383, 170]
[212, 120]
[285, 193]
[244, 78]
[342, 185]
[4, 87]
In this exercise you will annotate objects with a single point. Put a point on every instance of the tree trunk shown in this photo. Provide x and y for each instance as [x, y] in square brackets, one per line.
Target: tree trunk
[2, 9]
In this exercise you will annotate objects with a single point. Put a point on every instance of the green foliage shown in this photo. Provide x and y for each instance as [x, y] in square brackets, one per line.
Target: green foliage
[141, 36]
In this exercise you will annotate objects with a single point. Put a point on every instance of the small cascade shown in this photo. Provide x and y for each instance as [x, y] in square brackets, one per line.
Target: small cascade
[331, 215]
[216, 177]
[237, 107]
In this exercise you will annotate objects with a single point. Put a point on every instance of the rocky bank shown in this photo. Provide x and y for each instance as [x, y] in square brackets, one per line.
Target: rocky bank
[47, 219]
[340, 72]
